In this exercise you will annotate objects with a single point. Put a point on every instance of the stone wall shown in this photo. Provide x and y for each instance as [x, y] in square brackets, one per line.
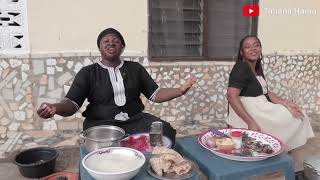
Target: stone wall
[26, 82]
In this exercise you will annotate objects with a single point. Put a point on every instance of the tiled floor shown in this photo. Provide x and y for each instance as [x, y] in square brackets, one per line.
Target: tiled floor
[68, 161]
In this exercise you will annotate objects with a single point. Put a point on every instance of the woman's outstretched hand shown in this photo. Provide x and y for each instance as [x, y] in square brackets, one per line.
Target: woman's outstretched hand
[186, 86]
[46, 110]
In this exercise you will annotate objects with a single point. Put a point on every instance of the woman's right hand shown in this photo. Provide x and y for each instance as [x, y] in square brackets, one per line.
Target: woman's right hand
[46, 110]
[254, 127]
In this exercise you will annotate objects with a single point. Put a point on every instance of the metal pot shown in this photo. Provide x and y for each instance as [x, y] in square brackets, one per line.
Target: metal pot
[98, 137]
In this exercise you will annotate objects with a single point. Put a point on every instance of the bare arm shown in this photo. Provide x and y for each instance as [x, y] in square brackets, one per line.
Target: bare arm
[277, 99]
[166, 94]
[292, 107]
[64, 108]
[234, 100]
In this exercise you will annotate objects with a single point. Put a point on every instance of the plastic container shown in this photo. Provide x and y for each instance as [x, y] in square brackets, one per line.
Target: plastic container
[312, 167]
[36, 162]
[237, 139]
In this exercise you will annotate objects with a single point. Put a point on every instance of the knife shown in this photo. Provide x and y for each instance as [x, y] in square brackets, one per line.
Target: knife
[219, 133]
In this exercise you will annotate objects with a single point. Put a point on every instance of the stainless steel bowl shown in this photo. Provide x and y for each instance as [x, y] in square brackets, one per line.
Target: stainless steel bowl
[98, 137]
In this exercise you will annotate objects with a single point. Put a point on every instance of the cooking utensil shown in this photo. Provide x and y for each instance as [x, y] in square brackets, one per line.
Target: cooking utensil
[36, 162]
[219, 133]
[98, 137]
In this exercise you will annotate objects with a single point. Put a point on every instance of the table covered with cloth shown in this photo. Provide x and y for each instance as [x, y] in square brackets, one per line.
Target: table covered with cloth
[142, 175]
[217, 168]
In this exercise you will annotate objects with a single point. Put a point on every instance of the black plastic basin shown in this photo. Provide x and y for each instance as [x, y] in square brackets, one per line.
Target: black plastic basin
[36, 162]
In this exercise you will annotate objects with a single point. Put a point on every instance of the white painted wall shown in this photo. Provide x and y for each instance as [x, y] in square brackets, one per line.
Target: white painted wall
[295, 32]
[73, 25]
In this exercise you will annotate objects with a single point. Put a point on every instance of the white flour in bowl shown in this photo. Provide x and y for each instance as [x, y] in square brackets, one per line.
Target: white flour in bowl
[112, 163]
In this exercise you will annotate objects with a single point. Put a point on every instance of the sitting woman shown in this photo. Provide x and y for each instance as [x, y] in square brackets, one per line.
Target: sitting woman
[113, 88]
[253, 106]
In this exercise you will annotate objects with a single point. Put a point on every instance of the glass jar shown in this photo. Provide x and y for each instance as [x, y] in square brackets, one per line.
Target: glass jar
[156, 134]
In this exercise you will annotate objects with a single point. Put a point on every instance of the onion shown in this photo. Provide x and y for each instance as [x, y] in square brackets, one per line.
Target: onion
[211, 142]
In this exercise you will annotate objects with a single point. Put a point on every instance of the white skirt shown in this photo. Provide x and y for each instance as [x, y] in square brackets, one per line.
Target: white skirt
[274, 119]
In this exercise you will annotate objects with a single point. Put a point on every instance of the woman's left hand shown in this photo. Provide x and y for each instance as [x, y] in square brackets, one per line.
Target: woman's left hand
[186, 86]
[294, 109]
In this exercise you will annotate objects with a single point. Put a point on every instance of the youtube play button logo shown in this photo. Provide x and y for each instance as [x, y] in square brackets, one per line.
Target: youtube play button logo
[252, 10]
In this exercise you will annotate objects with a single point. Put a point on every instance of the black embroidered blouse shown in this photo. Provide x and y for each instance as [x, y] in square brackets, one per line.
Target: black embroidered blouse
[93, 82]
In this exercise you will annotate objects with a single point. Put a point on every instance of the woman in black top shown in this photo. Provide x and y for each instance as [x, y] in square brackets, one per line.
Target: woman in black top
[113, 89]
[254, 106]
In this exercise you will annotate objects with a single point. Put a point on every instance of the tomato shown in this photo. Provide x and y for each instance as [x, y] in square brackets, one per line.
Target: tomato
[140, 143]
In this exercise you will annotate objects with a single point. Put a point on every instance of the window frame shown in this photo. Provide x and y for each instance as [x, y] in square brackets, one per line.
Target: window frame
[9, 33]
[253, 31]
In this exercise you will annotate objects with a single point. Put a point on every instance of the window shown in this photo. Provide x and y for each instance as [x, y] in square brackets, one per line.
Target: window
[13, 27]
[203, 29]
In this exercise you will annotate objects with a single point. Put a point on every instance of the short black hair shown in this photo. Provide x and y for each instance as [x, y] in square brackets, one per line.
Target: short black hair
[110, 31]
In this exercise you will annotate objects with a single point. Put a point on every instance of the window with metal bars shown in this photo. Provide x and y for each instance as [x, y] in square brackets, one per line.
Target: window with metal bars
[13, 27]
[198, 29]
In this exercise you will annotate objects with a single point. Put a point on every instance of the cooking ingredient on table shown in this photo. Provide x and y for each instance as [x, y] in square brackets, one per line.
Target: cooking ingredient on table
[211, 141]
[141, 143]
[252, 147]
[167, 161]
[113, 163]
[246, 146]
[237, 138]
[225, 144]
[156, 134]
[269, 146]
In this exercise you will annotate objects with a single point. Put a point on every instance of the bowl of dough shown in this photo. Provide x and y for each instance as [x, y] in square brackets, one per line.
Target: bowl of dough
[114, 163]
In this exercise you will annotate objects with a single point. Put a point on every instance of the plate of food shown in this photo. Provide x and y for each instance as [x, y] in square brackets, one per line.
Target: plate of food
[167, 164]
[253, 146]
[173, 175]
[141, 142]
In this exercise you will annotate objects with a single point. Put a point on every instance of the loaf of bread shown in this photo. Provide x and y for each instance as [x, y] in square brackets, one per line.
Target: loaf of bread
[167, 161]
